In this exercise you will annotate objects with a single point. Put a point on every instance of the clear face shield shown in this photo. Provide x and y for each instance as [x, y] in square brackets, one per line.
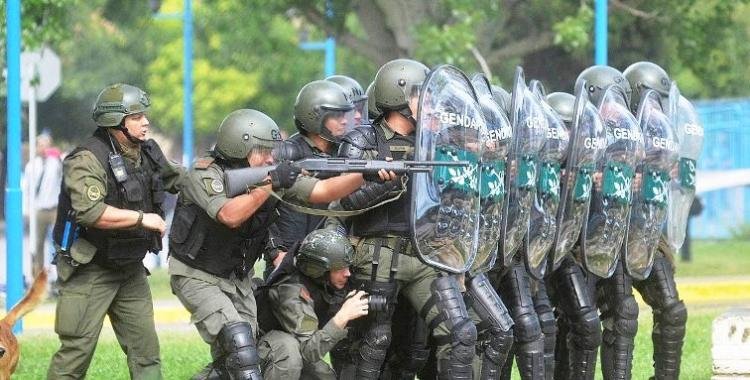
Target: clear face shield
[360, 111]
[263, 151]
[338, 122]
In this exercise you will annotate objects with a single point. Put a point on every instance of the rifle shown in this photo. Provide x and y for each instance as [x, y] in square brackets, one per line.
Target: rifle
[238, 181]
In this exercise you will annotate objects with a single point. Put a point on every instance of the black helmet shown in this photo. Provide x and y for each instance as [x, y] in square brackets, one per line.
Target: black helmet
[598, 78]
[323, 251]
[317, 101]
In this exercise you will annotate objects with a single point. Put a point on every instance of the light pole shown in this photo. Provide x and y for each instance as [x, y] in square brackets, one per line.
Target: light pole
[13, 216]
[329, 46]
[600, 32]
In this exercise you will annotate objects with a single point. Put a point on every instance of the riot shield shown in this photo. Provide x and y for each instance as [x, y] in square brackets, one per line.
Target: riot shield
[604, 231]
[543, 220]
[492, 170]
[649, 209]
[445, 202]
[529, 129]
[682, 187]
[587, 142]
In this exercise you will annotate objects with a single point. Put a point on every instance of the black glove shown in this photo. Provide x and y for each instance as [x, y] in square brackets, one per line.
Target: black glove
[284, 176]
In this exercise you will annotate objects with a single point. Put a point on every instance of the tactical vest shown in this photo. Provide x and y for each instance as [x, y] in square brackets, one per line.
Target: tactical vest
[142, 190]
[210, 246]
[391, 218]
[293, 226]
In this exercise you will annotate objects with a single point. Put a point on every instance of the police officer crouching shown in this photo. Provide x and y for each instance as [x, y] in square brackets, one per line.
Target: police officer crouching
[215, 240]
[112, 190]
[309, 307]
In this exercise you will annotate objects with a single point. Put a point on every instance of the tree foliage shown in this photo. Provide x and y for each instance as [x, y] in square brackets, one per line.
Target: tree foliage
[247, 55]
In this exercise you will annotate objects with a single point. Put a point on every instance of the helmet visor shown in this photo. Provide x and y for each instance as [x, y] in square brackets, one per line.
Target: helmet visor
[337, 123]
[360, 109]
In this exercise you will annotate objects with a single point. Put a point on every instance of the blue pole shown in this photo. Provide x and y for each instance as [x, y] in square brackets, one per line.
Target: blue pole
[187, 85]
[330, 66]
[13, 217]
[600, 32]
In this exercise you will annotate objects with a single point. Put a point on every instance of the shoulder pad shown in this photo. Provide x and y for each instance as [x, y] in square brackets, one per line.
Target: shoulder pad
[203, 163]
[357, 141]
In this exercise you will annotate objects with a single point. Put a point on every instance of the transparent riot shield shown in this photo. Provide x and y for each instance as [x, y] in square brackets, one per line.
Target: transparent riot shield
[492, 170]
[587, 142]
[649, 210]
[602, 236]
[529, 130]
[543, 220]
[682, 187]
[450, 125]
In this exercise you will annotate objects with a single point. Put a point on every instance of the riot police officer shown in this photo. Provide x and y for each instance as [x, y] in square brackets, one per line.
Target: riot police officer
[385, 263]
[658, 289]
[355, 94]
[322, 114]
[580, 332]
[612, 286]
[310, 306]
[112, 189]
[215, 240]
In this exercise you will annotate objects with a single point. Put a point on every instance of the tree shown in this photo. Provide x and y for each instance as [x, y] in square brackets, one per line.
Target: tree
[551, 39]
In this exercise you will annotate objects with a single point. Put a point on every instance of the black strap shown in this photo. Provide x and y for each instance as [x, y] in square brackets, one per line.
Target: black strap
[376, 259]
[397, 251]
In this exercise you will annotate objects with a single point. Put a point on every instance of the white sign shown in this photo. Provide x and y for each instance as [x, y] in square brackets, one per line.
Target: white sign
[42, 70]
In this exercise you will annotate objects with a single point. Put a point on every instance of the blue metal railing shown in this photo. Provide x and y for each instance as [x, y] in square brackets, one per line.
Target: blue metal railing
[726, 146]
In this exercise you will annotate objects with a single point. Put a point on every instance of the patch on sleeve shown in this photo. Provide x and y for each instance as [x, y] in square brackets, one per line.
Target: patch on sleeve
[94, 193]
[213, 186]
[309, 323]
[305, 294]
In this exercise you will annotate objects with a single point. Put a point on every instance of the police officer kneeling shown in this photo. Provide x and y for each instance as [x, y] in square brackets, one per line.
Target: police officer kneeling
[215, 240]
[112, 189]
[309, 307]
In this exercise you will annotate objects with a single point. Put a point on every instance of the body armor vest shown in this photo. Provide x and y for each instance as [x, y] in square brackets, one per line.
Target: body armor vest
[142, 190]
[292, 226]
[391, 218]
[210, 246]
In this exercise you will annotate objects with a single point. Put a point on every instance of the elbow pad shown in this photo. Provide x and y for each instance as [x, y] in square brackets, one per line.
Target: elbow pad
[370, 194]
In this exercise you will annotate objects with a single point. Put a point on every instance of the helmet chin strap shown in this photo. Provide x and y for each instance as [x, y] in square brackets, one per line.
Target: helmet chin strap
[406, 112]
[127, 134]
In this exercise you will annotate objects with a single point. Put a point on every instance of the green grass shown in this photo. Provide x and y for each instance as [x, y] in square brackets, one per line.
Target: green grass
[717, 258]
[184, 353]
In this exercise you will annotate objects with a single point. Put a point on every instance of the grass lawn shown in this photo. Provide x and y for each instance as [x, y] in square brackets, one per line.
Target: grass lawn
[183, 352]
[717, 258]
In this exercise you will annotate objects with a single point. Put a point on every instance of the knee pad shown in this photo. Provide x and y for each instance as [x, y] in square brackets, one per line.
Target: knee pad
[674, 314]
[378, 338]
[240, 353]
[587, 331]
[499, 346]
[463, 339]
[547, 323]
[527, 328]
